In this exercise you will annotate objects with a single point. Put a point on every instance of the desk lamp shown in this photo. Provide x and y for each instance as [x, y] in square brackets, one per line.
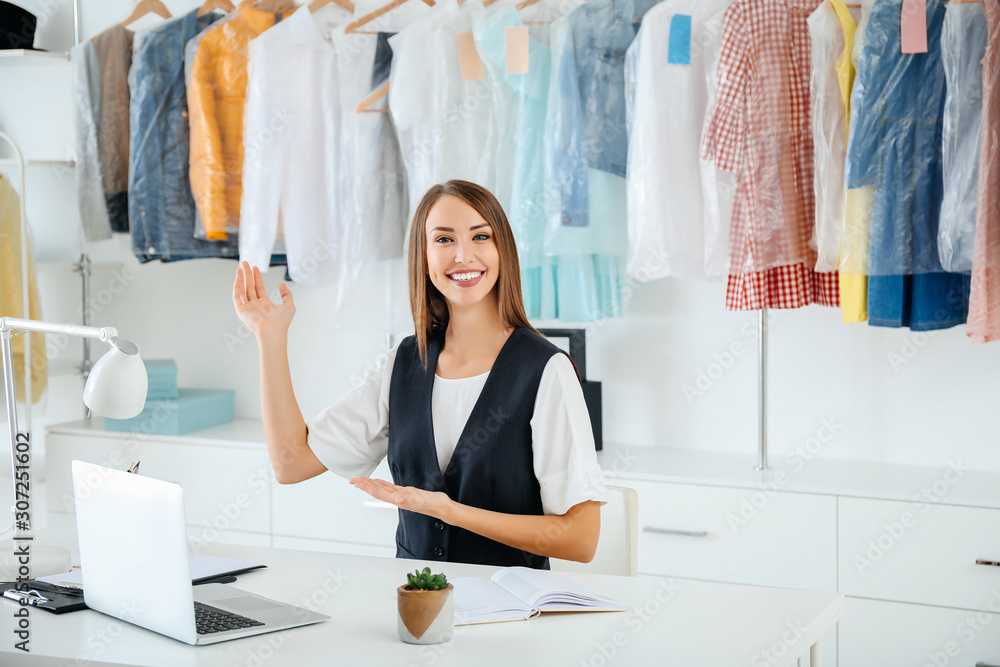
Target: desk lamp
[116, 388]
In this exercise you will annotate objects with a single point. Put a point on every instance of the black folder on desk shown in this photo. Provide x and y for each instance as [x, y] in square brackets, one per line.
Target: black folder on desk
[59, 601]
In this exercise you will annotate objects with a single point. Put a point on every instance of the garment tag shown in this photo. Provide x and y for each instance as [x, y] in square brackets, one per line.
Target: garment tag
[468, 57]
[913, 26]
[517, 49]
[680, 40]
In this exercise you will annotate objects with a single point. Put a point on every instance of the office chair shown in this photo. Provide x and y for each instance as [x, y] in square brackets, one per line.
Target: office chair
[617, 547]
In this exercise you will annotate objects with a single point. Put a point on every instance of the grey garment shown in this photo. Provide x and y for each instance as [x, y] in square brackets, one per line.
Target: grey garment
[87, 102]
[383, 60]
[114, 53]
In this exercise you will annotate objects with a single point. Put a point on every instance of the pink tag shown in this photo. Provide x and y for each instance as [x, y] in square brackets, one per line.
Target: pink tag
[913, 26]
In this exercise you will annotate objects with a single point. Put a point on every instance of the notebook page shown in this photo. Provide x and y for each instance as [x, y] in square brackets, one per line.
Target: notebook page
[540, 589]
[478, 600]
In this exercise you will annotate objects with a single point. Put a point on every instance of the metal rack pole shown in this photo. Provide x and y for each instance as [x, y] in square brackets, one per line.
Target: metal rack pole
[762, 391]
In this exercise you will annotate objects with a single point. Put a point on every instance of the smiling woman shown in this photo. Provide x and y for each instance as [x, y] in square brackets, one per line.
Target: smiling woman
[491, 449]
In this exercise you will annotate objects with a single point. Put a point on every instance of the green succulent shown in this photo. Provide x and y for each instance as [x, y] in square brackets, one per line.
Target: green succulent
[423, 580]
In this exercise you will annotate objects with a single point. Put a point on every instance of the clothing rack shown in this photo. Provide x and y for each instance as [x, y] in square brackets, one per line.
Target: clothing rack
[19, 158]
[762, 391]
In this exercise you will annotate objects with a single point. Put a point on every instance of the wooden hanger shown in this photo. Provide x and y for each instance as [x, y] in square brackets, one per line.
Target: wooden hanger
[525, 3]
[147, 7]
[379, 93]
[274, 6]
[320, 4]
[212, 5]
[368, 18]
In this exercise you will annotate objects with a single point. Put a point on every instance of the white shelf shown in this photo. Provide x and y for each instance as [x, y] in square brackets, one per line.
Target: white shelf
[8, 55]
[11, 162]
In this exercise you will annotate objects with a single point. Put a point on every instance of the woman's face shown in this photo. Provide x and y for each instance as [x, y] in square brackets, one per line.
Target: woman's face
[462, 258]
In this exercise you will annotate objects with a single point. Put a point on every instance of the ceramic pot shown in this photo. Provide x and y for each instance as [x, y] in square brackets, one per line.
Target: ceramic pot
[425, 617]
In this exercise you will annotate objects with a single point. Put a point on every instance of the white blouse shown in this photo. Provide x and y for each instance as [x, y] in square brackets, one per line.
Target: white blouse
[352, 436]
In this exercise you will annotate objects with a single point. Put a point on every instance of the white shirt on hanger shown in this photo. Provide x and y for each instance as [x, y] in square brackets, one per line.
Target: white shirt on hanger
[678, 216]
[291, 141]
[352, 437]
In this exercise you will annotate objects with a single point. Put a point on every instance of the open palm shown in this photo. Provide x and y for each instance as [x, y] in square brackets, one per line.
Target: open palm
[254, 308]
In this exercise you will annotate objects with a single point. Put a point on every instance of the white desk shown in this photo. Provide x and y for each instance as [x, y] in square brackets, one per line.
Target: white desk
[671, 622]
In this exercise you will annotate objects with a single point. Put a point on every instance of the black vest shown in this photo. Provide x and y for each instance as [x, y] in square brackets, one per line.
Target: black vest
[492, 464]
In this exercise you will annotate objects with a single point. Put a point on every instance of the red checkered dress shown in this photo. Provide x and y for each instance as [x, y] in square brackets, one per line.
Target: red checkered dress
[760, 128]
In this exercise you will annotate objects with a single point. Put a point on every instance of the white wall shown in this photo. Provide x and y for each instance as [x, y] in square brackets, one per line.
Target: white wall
[890, 395]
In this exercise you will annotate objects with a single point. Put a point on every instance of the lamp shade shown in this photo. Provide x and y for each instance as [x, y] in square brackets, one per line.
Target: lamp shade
[117, 383]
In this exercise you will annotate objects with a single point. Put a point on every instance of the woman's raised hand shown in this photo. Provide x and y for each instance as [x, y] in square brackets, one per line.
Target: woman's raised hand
[255, 308]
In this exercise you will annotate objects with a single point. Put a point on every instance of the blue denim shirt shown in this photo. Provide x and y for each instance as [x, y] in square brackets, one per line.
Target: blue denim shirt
[591, 130]
[161, 206]
[895, 141]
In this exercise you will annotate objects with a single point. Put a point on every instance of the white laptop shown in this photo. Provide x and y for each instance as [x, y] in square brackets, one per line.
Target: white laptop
[135, 566]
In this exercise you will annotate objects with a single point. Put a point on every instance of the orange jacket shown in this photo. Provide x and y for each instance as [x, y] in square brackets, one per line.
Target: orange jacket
[216, 96]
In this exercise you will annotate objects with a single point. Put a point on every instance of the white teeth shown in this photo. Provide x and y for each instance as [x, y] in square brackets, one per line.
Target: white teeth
[466, 276]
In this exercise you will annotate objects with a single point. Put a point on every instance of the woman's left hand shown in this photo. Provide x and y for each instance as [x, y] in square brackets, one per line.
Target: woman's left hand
[432, 503]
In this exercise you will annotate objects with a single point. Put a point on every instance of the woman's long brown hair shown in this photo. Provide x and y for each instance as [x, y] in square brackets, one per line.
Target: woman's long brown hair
[428, 305]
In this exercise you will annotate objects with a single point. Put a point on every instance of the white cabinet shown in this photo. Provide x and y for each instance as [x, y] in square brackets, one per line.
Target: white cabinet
[737, 535]
[918, 552]
[892, 634]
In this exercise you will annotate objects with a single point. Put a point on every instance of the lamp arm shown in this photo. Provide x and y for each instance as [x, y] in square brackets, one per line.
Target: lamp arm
[8, 324]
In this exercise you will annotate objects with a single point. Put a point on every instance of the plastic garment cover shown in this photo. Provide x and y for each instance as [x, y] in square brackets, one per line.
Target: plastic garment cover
[895, 144]
[445, 125]
[216, 99]
[830, 94]
[102, 121]
[963, 44]
[675, 220]
[87, 108]
[291, 169]
[586, 141]
[12, 293]
[759, 128]
[859, 205]
[984, 305]
[161, 208]
[895, 141]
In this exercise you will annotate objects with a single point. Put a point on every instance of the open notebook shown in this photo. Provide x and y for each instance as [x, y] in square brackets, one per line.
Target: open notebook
[519, 593]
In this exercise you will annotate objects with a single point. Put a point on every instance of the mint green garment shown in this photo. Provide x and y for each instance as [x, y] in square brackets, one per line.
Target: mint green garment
[567, 273]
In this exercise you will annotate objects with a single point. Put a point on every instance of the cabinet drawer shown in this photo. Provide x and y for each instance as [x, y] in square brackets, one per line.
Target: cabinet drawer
[225, 488]
[747, 536]
[922, 553]
[892, 634]
[327, 507]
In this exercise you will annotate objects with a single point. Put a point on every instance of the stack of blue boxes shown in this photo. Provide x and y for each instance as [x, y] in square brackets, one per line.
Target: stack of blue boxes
[173, 411]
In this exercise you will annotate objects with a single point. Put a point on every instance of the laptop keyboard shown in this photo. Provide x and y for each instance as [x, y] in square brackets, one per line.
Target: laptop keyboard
[211, 619]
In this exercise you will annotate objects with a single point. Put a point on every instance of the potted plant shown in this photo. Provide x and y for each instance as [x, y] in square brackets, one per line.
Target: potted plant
[426, 608]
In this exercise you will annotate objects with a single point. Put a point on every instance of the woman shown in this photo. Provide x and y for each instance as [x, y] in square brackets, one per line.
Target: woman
[496, 465]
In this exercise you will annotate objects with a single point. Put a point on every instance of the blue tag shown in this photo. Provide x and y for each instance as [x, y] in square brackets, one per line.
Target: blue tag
[680, 40]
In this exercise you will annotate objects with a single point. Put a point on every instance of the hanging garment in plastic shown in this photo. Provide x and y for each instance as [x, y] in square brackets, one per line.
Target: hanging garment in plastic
[161, 208]
[216, 100]
[12, 293]
[586, 144]
[832, 29]
[895, 145]
[963, 44]
[759, 128]
[445, 124]
[291, 147]
[102, 123]
[984, 309]
[675, 219]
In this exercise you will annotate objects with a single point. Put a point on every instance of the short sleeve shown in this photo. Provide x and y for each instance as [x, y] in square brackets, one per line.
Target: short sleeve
[351, 437]
[564, 458]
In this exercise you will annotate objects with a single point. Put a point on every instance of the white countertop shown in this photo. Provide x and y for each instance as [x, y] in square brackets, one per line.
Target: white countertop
[860, 479]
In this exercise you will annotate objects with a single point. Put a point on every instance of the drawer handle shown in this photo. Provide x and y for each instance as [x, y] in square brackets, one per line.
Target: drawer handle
[674, 531]
[379, 505]
[988, 562]
[983, 664]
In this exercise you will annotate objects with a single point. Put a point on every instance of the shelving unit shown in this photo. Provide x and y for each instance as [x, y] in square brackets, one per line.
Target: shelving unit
[7, 55]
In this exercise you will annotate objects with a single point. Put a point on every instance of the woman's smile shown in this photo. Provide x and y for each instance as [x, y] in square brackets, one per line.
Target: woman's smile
[466, 278]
